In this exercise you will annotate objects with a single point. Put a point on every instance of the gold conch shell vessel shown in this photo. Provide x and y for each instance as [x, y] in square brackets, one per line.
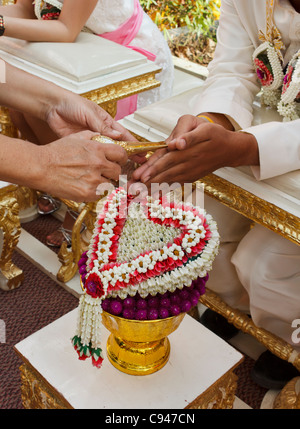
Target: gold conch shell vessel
[134, 147]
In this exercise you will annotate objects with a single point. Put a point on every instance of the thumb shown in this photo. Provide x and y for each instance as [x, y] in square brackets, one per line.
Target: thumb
[189, 139]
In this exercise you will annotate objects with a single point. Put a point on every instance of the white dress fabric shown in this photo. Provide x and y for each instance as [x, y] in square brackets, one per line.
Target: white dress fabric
[256, 271]
[108, 15]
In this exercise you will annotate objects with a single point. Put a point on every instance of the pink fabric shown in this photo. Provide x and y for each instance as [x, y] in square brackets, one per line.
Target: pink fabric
[124, 36]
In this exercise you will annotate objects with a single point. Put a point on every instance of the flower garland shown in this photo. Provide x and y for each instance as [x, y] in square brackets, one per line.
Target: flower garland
[47, 10]
[142, 250]
[289, 105]
[279, 90]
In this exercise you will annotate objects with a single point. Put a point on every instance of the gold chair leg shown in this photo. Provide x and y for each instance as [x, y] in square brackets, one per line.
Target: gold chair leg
[240, 320]
[7, 128]
[11, 276]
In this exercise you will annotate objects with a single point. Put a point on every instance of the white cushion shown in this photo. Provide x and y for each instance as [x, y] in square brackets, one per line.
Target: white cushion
[89, 59]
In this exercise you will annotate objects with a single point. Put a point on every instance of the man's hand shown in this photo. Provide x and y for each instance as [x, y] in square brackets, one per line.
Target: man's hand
[197, 148]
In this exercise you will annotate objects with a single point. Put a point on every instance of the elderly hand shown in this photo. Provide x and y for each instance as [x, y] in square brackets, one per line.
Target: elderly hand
[74, 166]
[73, 113]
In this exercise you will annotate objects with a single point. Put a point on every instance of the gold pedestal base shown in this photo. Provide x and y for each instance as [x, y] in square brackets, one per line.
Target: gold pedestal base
[139, 347]
[138, 358]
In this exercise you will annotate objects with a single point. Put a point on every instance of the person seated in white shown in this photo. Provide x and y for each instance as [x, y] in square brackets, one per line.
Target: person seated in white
[256, 270]
[123, 22]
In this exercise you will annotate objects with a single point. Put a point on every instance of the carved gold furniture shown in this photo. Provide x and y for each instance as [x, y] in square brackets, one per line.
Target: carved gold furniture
[11, 276]
[199, 374]
[273, 203]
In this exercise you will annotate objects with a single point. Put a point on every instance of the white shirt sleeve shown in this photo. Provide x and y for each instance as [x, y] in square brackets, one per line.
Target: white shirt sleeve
[232, 82]
[279, 148]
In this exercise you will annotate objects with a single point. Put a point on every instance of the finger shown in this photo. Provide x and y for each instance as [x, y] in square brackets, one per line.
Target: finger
[111, 171]
[162, 163]
[139, 172]
[199, 135]
[139, 159]
[177, 144]
[184, 124]
[173, 177]
[84, 135]
[112, 152]
[125, 134]
[116, 131]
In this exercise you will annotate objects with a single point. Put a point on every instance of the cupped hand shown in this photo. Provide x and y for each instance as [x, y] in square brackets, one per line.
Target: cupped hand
[74, 166]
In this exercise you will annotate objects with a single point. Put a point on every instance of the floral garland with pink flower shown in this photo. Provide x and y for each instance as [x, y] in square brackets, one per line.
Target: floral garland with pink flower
[139, 254]
[289, 105]
[47, 10]
[280, 89]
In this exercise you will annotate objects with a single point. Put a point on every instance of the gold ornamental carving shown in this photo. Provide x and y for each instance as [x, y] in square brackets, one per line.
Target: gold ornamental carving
[240, 320]
[69, 256]
[7, 127]
[289, 397]
[11, 276]
[253, 207]
[110, 107]
[36, 394]
[124, 88]
[220, 395]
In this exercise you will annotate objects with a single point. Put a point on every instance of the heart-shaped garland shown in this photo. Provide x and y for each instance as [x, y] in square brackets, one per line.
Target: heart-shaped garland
[147, 248]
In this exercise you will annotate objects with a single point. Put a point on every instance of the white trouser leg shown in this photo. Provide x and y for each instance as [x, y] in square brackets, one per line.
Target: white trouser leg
[223, 278]
[268, 266]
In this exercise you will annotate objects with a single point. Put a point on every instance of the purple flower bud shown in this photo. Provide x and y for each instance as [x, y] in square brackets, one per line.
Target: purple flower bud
[164, 313]
[129, 302]
[183, 294]
[175, 299]
[141, 315]
[175, 310]
[82, 269]
[116, 307]
[153, 314]
[186, 306]
[141, 304]
[153, 302]
[165, 302]
[128, 313]
[106, 305]
[194, 300]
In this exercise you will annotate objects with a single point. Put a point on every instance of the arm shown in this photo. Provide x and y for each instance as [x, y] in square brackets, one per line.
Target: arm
[64, 111]
[21, 9]
[279, 148]
[232, 82]
[73, 16]
[72, 167]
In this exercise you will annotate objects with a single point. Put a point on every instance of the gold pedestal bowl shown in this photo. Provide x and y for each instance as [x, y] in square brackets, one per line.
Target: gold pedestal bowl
[139, 347]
